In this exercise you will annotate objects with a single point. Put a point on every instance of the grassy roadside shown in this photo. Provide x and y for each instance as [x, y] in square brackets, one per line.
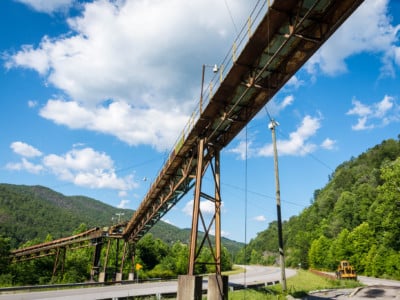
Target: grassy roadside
[297, 286]
[235, 270]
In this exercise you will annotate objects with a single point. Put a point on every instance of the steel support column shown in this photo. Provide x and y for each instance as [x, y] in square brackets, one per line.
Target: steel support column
[103, 275]
[217, 177]
[61, 251]
[196, 208]
[123, 257]
[204, 152]
[98, 244]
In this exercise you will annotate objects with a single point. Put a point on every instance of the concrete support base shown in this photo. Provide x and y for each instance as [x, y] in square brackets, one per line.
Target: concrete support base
[189, 287]
[118, 277]
[102, 277]
[217, 287]
[131, 276]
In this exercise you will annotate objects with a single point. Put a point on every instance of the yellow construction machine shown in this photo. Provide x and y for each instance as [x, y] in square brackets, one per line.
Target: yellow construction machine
[345, 271]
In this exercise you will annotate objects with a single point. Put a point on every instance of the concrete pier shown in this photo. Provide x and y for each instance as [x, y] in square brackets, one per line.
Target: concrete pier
[189, 287]
[217, 287]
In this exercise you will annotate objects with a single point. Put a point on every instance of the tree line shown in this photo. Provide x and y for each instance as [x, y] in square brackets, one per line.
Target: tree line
[155, 258]
[356, 217]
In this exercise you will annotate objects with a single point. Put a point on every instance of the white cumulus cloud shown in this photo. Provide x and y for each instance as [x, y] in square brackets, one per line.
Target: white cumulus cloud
[260, 218]
[328, 144]
[123, 204]
[25, 165]
[89, 168]
[377, 114]
[123, 67]
[206, 207]
[275, 106]
[298, 142]
[368, 30]
[24, 149]
[47, 6]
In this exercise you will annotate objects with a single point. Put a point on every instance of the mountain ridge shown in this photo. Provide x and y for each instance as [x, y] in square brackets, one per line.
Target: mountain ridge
[32, 212]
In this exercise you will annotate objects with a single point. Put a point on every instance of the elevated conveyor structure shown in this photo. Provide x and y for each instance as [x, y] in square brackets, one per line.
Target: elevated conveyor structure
[79, 240]
[91, 238]
[287, 33]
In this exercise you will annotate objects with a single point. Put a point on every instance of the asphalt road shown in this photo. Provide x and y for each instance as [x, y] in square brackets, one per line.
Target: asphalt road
[259, 274]
[253, 274]
[375, 288]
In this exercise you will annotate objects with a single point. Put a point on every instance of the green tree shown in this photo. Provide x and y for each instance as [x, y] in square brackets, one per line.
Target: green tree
[151, 251]
[344, 212]
[387, 208]
[226, 261]
[5, 275]
[372, 267]
[5, 247]
[361, 239]
[318, 253]
[340, 248]
[255, 257]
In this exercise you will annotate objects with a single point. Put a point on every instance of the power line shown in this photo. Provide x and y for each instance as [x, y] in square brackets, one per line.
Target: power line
[245, 210]
[230, 15]
[281, 133]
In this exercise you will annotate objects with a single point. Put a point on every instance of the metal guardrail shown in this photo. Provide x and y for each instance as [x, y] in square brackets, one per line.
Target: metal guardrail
[72, 285]
[232, 287]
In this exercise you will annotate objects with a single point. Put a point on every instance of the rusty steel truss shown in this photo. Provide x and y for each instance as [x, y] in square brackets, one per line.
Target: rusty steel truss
[94, 237]
[289, 33]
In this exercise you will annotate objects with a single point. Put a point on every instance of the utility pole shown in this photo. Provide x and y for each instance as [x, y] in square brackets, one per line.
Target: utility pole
[119, 216]
[272, 126]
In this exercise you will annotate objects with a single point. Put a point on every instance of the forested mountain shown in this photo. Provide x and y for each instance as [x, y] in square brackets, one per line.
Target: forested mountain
[33, 212]
[356, 216]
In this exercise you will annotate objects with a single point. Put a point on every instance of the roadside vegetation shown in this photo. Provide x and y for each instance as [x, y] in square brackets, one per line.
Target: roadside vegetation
[297, 286]
[153, 259]
[355, 217]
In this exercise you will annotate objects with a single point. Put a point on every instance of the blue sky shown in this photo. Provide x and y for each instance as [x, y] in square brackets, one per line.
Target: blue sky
[94, 95]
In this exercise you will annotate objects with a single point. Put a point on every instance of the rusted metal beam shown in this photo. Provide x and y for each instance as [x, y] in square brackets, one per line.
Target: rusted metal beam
[196, 208]
[286, 37]
[195, 249]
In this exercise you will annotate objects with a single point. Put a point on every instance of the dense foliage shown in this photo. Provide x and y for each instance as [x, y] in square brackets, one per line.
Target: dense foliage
[30, 215]
[156, 259]
[33, 212]
[356, 216]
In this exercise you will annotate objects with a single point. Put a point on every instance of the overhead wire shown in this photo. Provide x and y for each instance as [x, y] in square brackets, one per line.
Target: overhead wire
[301, 146]
[245, 209]
[231, 16]
[117, 171]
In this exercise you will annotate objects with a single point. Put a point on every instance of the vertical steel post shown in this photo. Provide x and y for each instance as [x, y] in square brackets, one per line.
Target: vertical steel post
[217, 213]
[106, 257]
[196, 208]
[116, 256]
[55, 266]
[63, 260]
[202, 86]
[123, 257]
[96, 258]
[272, 126]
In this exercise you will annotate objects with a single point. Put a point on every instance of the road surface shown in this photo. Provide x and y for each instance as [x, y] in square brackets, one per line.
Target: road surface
[253, 275]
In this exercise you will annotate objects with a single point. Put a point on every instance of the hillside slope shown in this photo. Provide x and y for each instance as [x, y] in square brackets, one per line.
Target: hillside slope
[32, 212]
[356, 216]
